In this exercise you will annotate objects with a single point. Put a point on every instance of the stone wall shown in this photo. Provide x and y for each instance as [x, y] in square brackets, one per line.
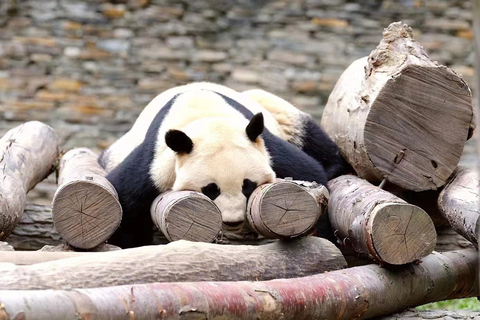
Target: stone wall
[89, 67]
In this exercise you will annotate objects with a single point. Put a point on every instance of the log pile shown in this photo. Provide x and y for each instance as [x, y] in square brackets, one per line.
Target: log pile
[388, 113]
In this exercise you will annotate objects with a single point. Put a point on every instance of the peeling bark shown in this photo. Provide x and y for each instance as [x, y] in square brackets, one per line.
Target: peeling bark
[359, 293]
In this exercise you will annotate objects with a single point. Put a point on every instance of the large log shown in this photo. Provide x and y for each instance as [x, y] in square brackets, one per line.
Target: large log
[179, 261]
[460, 204]
[35, 229]
[399, 116]
[85, 209]
[27, 156]
[377, 223]
[359, 293]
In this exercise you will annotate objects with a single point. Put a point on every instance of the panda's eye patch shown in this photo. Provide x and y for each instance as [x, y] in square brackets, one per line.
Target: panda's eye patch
[211, 190]
[248, 187]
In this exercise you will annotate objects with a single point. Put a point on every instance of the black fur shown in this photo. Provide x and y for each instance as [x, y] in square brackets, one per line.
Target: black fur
[248, 187]
[178, 141]
[211, 190]
[255, 127]
[136, 190]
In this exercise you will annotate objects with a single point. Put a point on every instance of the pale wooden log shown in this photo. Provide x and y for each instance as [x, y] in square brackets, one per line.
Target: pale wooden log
[460, 204]
[35, 229]
[65, 247]
[186, 215]
[377, 223]
[449, 240]
[179, 261]
[285, 209]
[85, 209]
[27, 156]
[397, 115]
[361, 293]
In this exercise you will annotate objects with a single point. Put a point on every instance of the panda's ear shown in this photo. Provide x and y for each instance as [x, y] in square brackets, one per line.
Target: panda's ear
[255, 127]
[178, 141]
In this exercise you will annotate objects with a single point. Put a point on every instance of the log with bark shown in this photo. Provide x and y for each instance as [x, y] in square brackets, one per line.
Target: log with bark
[35, 229]
[186, 215]
[399, 116]
[178, 261]
[85, 209]
[460, 204]
[359, 293]
[377, 223]
[28, 154]
[286, 208]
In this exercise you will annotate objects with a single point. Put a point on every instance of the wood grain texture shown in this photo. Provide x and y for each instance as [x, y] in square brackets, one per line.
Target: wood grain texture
[186, 215]
[361, 293]
[460, 204]
[282, 210]
[179, 261]
[378, 223]
[35, 229]
[85, 209]
[399, 116]
[27, 156]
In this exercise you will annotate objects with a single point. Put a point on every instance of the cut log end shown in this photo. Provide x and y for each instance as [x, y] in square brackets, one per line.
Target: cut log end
[80, 215]
[427, 104]
[187, 215]
[401, 233]
[282, 210]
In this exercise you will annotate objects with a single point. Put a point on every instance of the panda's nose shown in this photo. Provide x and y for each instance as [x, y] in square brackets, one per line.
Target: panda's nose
[233, 224]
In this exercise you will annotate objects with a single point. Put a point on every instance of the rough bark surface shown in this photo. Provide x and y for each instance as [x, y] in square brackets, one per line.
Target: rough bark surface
[399, 116]
[35, 229]
[434, 314]
[27, 156]
[359, 293]
[179, 261]
[86, 210]
[186, 215]
[377, 223]
[459, 202]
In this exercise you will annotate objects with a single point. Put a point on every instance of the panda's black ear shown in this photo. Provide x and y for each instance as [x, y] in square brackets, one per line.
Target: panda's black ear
[178, 141]
[255, 127]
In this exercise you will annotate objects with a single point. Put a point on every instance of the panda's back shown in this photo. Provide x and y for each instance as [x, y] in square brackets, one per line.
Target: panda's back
[191, 102]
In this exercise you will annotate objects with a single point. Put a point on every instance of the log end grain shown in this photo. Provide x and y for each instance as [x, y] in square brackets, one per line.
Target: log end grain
[186, 215]
[86, 213]
[418, 125]
[282, 210]
[401, 233]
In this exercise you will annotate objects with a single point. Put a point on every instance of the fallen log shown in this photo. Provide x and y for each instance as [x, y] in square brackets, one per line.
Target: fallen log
[399, 116]
[179, 261]
[460, 204]
[35, 229]
[186, 215]
[286, 209]
[359, 293]
[377, 223]
[27, 156]
[85, 209]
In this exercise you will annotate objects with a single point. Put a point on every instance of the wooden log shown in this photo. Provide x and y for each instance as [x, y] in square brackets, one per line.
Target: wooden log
[35, 229]
[285, 209]
[85, 209]
[186, 215]
[179, 261]
[460, 204]
[27, 156]
[377, 223]
[397, 115]
[361, 293]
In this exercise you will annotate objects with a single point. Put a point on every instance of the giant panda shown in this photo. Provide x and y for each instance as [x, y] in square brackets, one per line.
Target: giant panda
[209, 138]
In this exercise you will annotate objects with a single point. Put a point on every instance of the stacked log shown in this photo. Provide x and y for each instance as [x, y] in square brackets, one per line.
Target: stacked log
[375, 222]
[28, 154]
[85, 209]
[399, 116]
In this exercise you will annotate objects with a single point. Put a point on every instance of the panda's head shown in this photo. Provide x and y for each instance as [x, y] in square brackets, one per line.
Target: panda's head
[224, 159]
